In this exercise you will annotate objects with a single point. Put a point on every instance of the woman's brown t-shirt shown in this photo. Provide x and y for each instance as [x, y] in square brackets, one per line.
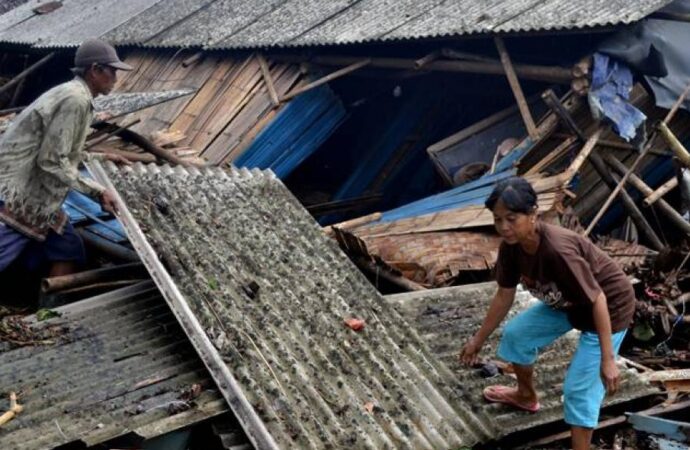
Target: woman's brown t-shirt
[567, 273]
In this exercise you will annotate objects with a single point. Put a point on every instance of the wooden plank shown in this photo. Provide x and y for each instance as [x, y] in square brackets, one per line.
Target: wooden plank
[228, 104]
[251, 119]
[268, 79]
[187, 117]
[517, 89]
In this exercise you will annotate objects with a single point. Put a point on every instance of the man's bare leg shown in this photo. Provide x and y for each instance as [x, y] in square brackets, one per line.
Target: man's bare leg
[581, 438]
[60, 268]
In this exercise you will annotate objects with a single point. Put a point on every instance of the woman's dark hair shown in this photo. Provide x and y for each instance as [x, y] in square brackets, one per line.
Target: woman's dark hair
[516, 194]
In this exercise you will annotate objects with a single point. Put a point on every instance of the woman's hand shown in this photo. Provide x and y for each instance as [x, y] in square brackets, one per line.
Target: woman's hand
[610, 375]
[469, 354]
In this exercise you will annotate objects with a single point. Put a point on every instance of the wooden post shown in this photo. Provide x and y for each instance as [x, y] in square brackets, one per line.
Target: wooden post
[26, 72]
[661, 191]
[517, 89]
[641, 186]
[632, 209]
[557, 107]
[637, 161]
[331, 76]
[615, 192]
[268, 80]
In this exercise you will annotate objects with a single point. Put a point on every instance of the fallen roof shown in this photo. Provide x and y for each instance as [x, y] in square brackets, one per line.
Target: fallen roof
[263, 296]
[120, 363]
[447, 317]
[225, 24]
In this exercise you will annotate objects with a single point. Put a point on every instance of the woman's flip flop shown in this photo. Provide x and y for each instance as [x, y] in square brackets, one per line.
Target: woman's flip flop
[499, 394]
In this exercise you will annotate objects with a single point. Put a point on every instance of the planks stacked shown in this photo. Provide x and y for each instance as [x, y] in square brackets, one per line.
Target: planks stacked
[231, 105]
[271, 293]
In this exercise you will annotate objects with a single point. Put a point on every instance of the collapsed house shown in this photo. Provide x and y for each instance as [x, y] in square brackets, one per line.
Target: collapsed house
[390, 123]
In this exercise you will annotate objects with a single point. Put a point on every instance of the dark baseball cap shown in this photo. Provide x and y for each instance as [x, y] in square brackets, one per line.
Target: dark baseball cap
[95, 51]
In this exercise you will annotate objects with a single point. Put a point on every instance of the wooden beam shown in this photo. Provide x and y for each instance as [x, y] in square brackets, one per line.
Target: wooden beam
[26, 72]
[331, 76]
[661, 191]
[268, 80]
[119, 129]
[516, 88]
[557, 107]
[661, 409]
[628, 203]
[548, 74]
[616, 191]
[645, 151]
[641, 186]
[471, 130]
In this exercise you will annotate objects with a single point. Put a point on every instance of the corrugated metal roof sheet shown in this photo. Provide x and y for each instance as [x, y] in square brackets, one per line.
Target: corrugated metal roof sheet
[447, 317]
[280, 23]
[120, 362]
[252, 272]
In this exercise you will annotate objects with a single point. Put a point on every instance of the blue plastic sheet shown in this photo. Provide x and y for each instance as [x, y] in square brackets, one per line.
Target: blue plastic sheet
[612, 83]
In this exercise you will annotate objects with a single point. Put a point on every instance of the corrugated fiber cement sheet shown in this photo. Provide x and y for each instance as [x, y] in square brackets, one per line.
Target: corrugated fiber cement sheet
[263, 295]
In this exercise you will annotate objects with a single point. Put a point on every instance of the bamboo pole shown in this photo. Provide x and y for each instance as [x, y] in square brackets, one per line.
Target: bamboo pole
[115, 273]
[15, 409]
[673, 142]
[516, 88]
[330, 77]
[661, 191]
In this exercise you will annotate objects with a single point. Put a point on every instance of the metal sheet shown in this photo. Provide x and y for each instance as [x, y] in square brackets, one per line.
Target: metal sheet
[120, 362]
[263, 295]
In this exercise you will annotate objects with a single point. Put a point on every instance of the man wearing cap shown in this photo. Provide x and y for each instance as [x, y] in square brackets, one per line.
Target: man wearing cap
[39, 163]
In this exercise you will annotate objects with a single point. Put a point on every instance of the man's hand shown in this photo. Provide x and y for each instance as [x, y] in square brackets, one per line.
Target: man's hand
[469, 354]
[117, 159]
[610, 375]
[108, 202]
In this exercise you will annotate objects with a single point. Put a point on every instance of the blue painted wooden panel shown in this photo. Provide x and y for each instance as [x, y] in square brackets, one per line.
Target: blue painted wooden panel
[297, 131]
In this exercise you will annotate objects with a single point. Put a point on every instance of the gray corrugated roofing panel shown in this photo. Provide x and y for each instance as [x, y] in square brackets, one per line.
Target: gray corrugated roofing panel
[285, 23]
[251, 270]
[70, 24]
[7, 5]
[121, 103]
[220, 19]
[362, 20]
[288, 23]
[119, 362]
[446, 318]
[159, 18]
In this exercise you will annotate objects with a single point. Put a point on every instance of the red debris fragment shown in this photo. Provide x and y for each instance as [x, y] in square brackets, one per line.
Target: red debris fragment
[355, 324]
